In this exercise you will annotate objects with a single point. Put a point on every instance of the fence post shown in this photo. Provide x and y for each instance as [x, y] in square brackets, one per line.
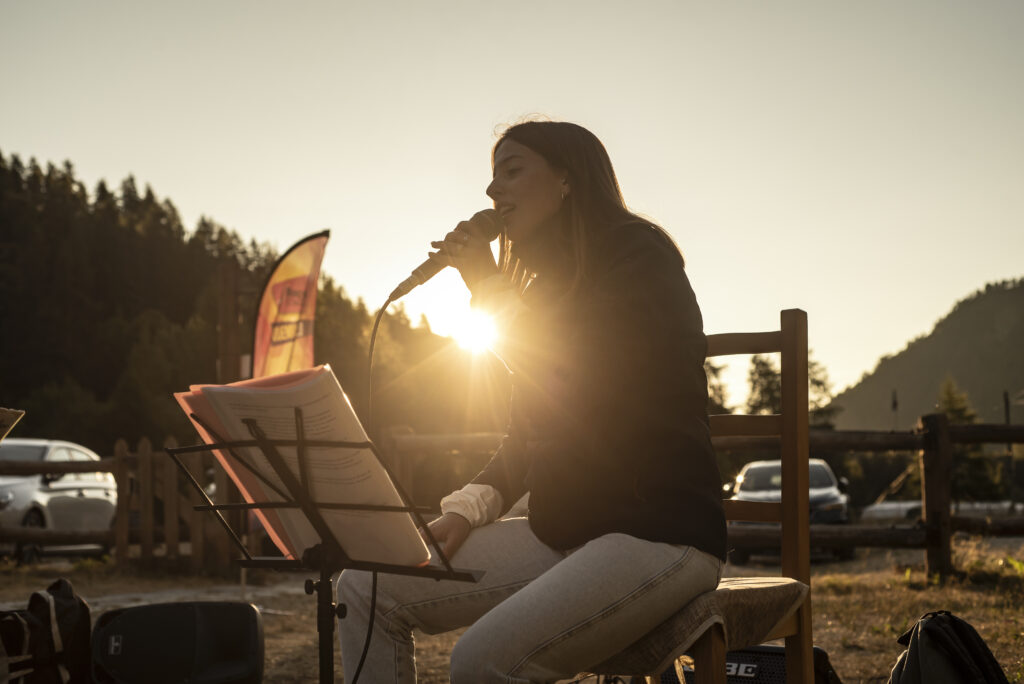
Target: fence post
[402, 464]
[121, 518]
[220, 547]
[170, 496]
[936, 483]
[227, 322]
[196, 519]
[145, 455]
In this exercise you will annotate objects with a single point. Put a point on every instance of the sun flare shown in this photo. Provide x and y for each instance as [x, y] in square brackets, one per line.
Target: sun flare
[475, 332]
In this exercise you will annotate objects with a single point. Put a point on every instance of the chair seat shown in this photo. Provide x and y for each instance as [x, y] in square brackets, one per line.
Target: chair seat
[748, 608]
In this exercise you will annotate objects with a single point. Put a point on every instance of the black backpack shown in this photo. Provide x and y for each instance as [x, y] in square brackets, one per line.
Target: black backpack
[943, 648]
[48, 642]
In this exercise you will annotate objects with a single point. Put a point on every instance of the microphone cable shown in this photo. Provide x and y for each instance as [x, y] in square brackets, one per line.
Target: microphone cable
[369, 363]
[369, 421]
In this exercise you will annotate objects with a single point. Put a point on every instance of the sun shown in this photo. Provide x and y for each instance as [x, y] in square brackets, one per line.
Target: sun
[475, 331]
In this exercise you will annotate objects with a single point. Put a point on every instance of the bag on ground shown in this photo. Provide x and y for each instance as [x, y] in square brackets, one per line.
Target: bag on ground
[49, 641]
[943, 648]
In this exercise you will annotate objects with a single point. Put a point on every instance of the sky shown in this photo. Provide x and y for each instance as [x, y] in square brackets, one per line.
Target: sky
[863, 161]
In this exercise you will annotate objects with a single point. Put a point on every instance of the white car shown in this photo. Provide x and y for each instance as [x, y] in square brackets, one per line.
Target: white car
[68, 502]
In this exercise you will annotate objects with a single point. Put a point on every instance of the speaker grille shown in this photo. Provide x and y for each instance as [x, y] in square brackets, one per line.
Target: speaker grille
[208, 642]
[757, 665]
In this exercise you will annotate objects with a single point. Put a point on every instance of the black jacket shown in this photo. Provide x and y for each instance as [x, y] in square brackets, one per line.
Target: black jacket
[609, 428]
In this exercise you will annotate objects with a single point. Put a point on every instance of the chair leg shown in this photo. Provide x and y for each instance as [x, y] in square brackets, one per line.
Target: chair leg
[799, 649]
[709, 656]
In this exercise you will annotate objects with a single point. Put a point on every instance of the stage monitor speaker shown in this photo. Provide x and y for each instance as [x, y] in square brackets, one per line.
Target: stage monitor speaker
[760, 665]
[204, 642]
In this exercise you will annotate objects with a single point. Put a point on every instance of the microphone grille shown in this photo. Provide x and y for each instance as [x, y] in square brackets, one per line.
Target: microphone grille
[491, 226]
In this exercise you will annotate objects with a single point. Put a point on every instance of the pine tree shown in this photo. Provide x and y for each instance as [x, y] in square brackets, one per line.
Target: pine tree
[766, 390]
[717, 395]
[955, 404]
[975, 477]
[765, 381]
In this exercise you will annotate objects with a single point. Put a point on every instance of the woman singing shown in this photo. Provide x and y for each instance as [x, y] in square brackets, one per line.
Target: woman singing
[608, 434]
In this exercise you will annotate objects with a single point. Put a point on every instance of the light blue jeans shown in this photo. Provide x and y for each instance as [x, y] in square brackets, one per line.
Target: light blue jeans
[538, 615]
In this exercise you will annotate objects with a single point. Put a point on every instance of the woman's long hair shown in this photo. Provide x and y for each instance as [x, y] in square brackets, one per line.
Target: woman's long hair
[594, 202]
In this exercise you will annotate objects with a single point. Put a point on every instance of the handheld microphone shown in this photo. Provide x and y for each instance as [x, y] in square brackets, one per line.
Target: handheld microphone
[430, 268]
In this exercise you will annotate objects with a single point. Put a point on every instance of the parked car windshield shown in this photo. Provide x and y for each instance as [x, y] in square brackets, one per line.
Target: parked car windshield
[820, 476]
[768, 477]
[761, 478]
[21, 452]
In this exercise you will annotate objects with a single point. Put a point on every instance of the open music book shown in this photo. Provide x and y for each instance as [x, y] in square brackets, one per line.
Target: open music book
[335, 475]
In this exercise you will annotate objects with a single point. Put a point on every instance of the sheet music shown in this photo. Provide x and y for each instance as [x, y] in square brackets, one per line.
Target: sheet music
[335, 474]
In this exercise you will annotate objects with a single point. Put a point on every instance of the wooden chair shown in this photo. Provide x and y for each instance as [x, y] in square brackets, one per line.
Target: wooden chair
[746, 611]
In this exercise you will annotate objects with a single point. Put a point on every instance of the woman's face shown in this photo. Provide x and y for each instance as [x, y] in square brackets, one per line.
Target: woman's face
[527, 191]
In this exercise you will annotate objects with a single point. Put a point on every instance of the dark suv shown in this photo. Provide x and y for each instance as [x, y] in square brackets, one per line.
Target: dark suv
[762, 481]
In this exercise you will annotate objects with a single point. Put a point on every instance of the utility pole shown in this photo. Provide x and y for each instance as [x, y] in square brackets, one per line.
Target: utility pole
[228, 344]
[1012, 488]
[895, 412]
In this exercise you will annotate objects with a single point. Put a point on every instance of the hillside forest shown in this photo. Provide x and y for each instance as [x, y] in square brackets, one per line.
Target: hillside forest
[110, 305]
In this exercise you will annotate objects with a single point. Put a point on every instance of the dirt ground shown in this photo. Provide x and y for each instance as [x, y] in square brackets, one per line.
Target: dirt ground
[860, 606]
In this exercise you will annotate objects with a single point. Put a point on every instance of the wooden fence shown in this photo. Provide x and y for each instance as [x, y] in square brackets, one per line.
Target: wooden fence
[933, 440]
[155, 522]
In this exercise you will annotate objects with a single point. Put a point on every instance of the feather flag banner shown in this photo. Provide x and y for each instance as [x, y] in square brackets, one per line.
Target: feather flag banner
[283, 339]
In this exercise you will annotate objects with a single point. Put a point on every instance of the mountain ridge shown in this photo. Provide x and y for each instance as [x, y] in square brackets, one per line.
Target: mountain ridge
[979, 344]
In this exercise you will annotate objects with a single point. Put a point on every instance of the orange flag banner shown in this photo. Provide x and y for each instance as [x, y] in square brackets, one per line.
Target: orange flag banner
[283, 339]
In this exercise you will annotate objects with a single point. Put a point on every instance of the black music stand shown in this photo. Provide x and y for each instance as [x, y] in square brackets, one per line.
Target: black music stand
[328, 557]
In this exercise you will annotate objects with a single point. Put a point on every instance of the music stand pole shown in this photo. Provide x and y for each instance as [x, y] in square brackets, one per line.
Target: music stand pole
[326, 612]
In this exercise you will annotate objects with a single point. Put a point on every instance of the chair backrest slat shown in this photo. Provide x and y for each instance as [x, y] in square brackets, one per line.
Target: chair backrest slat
[731, 443]
[726, 344]
[753, 511]
[738, 425]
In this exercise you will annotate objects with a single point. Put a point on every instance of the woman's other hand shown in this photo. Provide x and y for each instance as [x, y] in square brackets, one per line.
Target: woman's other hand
[468, 247]
[450, 530]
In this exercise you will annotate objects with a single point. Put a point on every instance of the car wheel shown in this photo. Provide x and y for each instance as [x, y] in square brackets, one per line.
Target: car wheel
[28, 552]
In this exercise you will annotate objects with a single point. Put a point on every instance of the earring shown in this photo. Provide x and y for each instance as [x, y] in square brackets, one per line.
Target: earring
[564, 193]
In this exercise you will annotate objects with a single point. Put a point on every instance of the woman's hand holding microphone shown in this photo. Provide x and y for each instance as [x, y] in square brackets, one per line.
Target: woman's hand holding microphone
[468, 247]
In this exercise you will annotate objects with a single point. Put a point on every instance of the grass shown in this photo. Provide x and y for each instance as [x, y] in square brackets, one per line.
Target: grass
[859, 615]
[860, 606]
